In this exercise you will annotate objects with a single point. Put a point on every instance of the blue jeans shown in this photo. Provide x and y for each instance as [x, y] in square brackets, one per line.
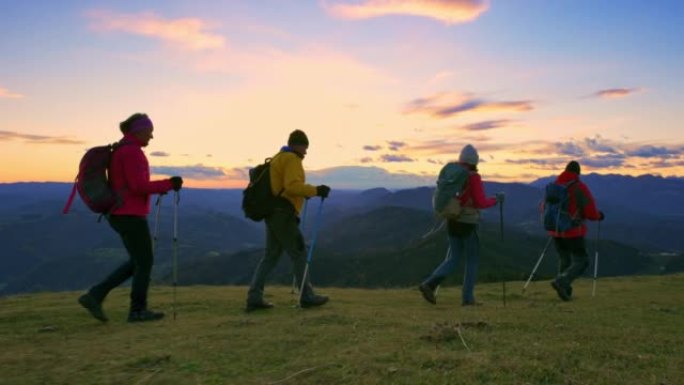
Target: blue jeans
[467, 246]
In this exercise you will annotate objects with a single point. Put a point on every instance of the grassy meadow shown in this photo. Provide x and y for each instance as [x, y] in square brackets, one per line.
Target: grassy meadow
[632, 332]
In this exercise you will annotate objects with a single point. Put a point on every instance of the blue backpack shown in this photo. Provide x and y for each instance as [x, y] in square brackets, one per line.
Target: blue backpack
[450, 183]
[556, 215]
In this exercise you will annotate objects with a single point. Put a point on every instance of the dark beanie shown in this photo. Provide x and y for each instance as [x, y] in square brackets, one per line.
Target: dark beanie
[573, 166]
[136, 122]
[297, 137]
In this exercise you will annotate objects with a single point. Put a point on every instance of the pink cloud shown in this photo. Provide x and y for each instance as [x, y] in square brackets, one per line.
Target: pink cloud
[6, 136]
[187, 33]
[615, 93]
[445, 105]
[447, 147]
[448, 11]
[391, 158]
[372, 148]
[486, 125]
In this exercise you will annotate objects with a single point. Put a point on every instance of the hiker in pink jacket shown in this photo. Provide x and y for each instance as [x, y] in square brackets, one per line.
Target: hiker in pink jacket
[129, 175]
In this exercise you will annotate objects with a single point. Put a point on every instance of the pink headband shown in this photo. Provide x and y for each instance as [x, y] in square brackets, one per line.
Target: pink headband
[141, 124]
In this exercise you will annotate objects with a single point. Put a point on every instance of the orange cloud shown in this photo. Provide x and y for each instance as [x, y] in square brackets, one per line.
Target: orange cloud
[188, 33]
[448, 11]
[7, 94]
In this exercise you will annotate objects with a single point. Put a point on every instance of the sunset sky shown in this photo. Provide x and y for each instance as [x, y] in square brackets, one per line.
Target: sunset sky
[387, 90]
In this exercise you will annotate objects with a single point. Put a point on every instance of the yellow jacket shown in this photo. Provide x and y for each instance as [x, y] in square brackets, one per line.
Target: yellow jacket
[287, 172]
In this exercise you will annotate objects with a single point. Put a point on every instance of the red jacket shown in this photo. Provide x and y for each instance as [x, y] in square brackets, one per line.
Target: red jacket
[130, 177]
[474, 192]
[581, 205]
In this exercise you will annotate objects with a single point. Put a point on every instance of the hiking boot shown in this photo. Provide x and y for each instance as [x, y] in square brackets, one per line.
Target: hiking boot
[428, 293]
[562, 291]
[144, 316]
[93, 306]
[261, 305]
[314, 301]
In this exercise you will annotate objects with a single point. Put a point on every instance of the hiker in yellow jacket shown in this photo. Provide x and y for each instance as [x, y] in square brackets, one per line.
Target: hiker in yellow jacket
[282, 227]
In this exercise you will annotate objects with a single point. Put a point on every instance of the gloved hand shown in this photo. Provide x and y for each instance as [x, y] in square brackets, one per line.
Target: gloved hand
[500, 197]
[601, 216]
[322, 191]
[177, 182]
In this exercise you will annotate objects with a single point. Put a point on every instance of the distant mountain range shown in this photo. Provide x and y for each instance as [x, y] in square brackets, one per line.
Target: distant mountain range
[371, 238]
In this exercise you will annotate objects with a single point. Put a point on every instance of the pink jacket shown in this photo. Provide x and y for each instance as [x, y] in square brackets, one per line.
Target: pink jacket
[129, 175]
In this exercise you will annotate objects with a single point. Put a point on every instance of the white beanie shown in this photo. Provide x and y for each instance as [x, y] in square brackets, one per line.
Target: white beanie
[469, 155]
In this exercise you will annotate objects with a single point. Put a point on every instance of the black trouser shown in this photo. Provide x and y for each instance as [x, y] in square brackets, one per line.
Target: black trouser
[282, 234]
[135, 234]
[573, 259]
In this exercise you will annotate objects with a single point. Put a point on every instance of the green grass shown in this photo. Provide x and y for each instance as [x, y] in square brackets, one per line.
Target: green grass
[632, 332]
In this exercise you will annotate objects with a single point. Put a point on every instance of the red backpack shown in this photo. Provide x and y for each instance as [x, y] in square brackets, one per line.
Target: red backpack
[92, 181]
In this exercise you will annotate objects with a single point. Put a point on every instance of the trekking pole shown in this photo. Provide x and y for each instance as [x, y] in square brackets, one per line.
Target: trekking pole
[596, 256]
[501, 228]
[302, 228]
[314, 235]
[175, 249]
[156, 223]
[536, 266]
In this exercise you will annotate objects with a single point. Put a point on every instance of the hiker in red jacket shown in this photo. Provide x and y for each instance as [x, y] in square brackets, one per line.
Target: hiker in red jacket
[573, 259]
[129, 175]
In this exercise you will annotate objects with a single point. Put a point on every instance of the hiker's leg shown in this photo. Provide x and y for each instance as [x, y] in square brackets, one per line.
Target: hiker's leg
[448, 265]
[269, 260]
[472, 257]
[121, 273]
[292, 240]
[564, 255]
[139, 246]
[580, 260]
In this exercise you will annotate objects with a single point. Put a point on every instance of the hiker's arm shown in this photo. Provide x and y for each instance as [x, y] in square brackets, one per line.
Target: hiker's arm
[293, 180]
[160, 186]
[136, 169]
[477, 193]
[589, 210]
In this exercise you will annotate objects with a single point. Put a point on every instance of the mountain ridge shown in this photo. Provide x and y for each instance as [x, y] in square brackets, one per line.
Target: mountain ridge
[362, 232]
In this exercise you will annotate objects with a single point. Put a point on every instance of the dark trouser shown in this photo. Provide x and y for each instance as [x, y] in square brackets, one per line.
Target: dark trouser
[573, 259]
[135, 234]
[282, 234]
